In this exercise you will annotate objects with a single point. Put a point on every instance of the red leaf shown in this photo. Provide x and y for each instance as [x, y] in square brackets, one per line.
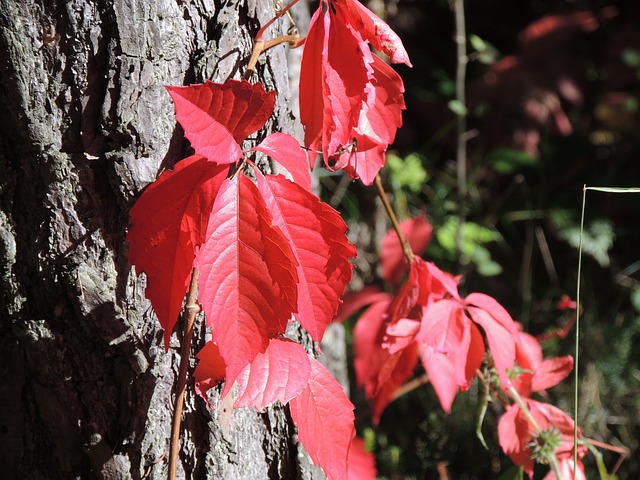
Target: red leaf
[280, 373]
[210, 369]
[369, 356]
[404, 364]
[216, 117]
[418, 232]
[551, 372]
[501, 342]
[537, 374]
[317, 236]
[374, 31]
[352, 302]
[361, 462]
[515, 433]
[400, 335]
[451, 348]
[312, 82]
[493, 308]
[324, 417]
[248, 276]
[332, 83]
[167, 223]
[286, 150]
[378, 120]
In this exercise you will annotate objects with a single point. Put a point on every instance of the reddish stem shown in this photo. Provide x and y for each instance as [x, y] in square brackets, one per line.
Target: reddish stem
[406, 248]
[270, 22]
[192, 309]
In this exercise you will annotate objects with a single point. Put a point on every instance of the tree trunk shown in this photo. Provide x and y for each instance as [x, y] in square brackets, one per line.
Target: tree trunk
[86, 387]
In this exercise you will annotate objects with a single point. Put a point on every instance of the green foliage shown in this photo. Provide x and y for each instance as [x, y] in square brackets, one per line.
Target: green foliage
[509, 160]
[474, 237]
[597, 239]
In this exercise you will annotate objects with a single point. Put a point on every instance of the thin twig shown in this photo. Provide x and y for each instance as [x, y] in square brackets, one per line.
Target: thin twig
[260, 45]
[410, 386]
[191, 309]
[461, 150]
[406, 248]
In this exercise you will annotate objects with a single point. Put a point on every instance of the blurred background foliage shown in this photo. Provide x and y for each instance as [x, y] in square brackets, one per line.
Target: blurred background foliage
[552, 102]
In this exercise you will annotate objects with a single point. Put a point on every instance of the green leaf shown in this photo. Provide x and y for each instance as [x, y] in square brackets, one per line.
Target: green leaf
[457, 107]
[486, 53]
[597, 239]
[509, 160]
[408, 173]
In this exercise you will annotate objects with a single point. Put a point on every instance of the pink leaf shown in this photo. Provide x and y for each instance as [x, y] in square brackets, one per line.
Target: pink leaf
[280, 373]
[216, 117]
[493, 308]
[317, 237]
[418, 232]
[248, 276]
[210, 369]
[286, 150]
[168, 222]
[451, 348]
[324, 417]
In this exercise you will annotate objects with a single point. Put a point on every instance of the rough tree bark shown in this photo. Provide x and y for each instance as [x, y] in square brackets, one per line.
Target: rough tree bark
[85, 124]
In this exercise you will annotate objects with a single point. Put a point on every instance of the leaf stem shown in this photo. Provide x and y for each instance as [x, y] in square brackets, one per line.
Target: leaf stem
[406, 248]
[192, 308]
[261, 46]
[277, 16]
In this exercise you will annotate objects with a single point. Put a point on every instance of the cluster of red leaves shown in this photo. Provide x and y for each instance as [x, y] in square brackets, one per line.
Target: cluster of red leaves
[268, 252]
[351, 101]
[427, 320]
[515, 430]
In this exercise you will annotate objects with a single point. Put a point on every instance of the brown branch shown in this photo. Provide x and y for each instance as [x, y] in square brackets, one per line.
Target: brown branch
[261, 46]
[191, 309]
[294, 40]
[410, 386]
[406, 248]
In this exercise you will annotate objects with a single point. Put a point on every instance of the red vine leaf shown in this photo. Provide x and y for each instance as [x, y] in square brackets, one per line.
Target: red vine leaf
[375, 31]
[352, 302]
[361, 462]
[334, 83]
[418, 232]
[216, 117]
[210, 369]
[167, 223]
[248, 276]
[286, 150]
[324, 417]
[451, 348]
[280, 373]
[316, 235]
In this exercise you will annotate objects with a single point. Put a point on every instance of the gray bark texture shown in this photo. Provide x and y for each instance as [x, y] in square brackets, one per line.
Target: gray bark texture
[86, 388]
